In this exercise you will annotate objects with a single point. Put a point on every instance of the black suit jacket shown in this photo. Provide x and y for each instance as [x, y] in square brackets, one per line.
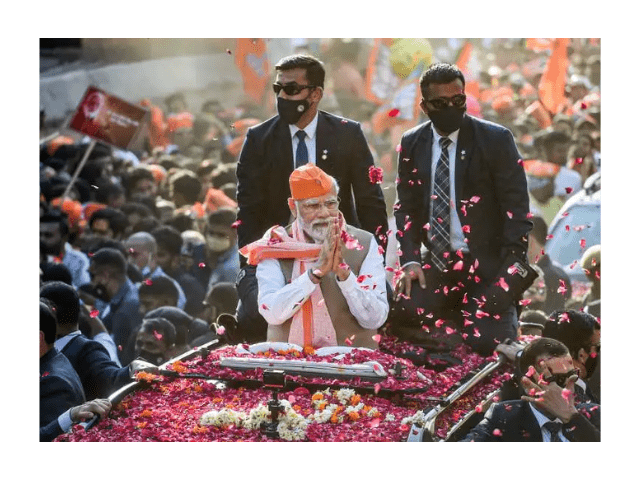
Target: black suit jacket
[266, 162]
[513, 421]
[60, 387]
[100, 376]
[486, 167]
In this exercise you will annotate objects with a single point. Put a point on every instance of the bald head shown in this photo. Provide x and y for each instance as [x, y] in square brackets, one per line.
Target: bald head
[141, 250]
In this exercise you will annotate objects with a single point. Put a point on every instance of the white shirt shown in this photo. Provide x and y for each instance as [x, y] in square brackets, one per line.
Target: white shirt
[309, 140]
[542, 419]
[456, 234]
[567, 178]
[368, 305]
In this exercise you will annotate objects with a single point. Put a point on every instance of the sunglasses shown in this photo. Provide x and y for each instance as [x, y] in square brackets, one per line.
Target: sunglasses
[457, 101]
[291, 89]
[561, 378]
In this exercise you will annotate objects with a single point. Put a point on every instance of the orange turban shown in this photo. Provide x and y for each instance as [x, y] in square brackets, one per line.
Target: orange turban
[73, 209]
[57, 142]
[180, 120]
[159, 173]
[309, 181]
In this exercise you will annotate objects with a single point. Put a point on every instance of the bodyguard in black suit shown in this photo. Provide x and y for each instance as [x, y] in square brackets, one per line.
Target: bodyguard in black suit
[271, 152]
[462, 195]
[547, 412]
[60, 387]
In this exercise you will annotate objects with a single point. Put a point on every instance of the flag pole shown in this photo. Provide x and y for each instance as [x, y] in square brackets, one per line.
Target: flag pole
[78, 169]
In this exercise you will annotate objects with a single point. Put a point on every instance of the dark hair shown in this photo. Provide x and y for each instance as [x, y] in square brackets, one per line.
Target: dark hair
[552, 138]
[533, 316]
[223, 216]
[223, 174]
[66, 300]
[188, 185]
[168, 238]
[53, 215]
[541, 347]
[56, 271]
[137, 174]
[181, 222]
[118, 221]
[181, 321]
[147, 224]
[48, 322]
[573, 328]
[161, 326]
[136, 207]
[439, 73]
[224, 295]
[110, 257]
[107, 190]
[314, 69]
[539, 230]
[160, 286]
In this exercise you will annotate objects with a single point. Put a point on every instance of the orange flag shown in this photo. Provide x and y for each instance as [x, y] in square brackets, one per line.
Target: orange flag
[553, 80]
[253, 63]
[472, 86]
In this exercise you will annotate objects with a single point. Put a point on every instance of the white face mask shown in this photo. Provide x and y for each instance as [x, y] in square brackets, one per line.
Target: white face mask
[218, 244]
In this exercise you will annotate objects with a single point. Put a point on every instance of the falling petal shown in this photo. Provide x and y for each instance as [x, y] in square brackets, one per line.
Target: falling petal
[375, 175]
[509, 214]
[220, 330]
[94, 313]
[458, 266]
[439, 322]
[474, 199]
[202, 265]
[497, 432]
[502, 284]
[376, 338]
[157, 335]
[566, 394]
[394, 112]
[449, 330]
[568, 190]
[236, 224]
[583, 243]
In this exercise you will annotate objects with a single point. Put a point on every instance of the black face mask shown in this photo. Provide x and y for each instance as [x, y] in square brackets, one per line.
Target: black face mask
[291, 110]
[49, 249]
[448, 119]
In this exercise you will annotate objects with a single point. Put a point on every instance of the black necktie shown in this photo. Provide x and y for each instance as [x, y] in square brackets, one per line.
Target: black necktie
[302, 155]
[554, 428]
[440, 208]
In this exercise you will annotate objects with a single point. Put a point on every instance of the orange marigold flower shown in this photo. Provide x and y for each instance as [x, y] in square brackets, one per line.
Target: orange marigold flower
[297, 408]
[146, 413]
[322, 405]
[334, 418]
[141, 425]
[366, 408]
[179, 367]
[198, 388]
[198, 429]
[147, 377]
[317, 396]
[309, 350]
[355, 399]
[354, 416]
[216, 400]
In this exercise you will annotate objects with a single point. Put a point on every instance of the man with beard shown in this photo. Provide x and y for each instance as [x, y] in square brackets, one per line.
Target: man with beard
[117, 299]
[462, 195]
[300, 134]
[54, 248]
[580, 332]
[321, 281]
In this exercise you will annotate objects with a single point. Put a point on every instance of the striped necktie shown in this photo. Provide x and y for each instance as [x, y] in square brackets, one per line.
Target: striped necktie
[302, 155]
[554, 428]
[440, 209]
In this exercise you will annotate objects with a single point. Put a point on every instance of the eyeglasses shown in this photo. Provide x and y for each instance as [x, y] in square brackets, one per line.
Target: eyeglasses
[314, 207]
[561, 378]
[291, 89]
[457, 101]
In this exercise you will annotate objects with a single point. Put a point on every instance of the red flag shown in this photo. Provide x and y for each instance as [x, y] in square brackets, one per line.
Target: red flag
[472, 85]
[553, 80]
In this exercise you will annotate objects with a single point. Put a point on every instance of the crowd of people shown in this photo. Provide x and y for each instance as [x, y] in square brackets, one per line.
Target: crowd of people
[236, 224]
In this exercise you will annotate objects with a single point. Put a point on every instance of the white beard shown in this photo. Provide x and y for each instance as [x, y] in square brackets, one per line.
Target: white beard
[317, 232]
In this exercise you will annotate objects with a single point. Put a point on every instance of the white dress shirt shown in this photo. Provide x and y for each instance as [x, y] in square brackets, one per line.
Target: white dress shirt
[368, 305]
[542, 419]
[309, 140]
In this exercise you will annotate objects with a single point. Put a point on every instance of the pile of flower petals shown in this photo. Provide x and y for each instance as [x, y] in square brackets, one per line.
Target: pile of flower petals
[171, 409]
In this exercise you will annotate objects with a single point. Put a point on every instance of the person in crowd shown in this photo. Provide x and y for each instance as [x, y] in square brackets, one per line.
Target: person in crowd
[188, 328]
[581, 156]
[300, 133]
[108, 223]
[54, 233]
[60, 386]
[531, 323]
[547, 412]
[169, 246]
[77, 414]
[155, 341]
[184, 192]
[556, 281]
[136, 213]
[142, 252]
[55, 271]
[193, 256]
[100, 376]
[116, 298]
[321, 281]
[222, 298]
[458, 160]
[590, 263]
[580, 332]
[221, 247]
[157, 292]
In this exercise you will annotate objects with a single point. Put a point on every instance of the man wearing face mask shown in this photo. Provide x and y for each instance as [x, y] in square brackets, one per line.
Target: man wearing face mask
[462, 197]
[300, 134]
[117, 299]
[221, 247]
[580, 332]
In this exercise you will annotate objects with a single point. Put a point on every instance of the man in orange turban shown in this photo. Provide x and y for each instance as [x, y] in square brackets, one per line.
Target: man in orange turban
[321, 282]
